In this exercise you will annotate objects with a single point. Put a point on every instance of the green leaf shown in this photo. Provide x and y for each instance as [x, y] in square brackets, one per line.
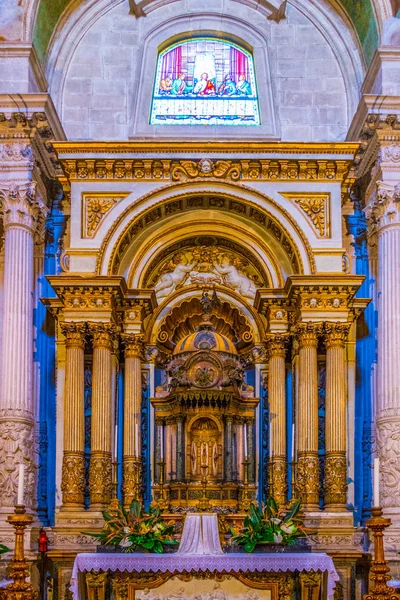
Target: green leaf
[3, 549]
[135, 508]
[249, 547]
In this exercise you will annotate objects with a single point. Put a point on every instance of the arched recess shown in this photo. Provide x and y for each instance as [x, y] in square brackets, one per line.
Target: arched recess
[183, 306]
[268, 231]
[74, 24]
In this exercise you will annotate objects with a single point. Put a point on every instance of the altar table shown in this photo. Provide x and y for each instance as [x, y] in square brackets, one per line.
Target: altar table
[145, 570]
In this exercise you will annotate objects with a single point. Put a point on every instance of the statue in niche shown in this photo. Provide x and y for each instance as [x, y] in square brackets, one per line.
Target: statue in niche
[233, 279]
[193, 458]
[215, 456]
[204, 455]
[169, 281]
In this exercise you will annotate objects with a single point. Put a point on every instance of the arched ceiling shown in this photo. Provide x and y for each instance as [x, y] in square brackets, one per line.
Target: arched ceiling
[360, 13]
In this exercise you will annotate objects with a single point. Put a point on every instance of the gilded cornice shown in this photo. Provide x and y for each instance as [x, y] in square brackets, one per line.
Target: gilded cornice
[189, 147]
[330, 293]
[101, 293]
[219, 201]
[156, 169]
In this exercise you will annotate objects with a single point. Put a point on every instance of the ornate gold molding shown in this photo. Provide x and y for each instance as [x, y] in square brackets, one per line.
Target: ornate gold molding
[336, 334]
[276, 344]
[279, 169]
[103, 334]
[316, 207]
[335, 478]
[95, 207]
[134, 345]
[100, 481]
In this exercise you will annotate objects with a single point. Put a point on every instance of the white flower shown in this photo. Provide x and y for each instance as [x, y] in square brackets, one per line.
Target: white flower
[125, 543]
[287, 528]
[277, 538]
[127, 530]
[276, 521]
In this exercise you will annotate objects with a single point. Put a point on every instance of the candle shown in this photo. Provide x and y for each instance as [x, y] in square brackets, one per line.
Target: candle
[162, 442]
[245, 440]
[136, 439]
[292, 442]
[376, 481]
[20, 496]
[116, 443]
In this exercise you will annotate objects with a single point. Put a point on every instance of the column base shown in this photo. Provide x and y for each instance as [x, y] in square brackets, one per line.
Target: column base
[336, 508]
[72, 508]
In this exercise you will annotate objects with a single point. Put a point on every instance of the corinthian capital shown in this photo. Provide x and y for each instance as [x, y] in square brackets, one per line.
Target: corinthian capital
[336, 334]
[74, 334]
[103, 334]
[307, 334]
[276, 344]
[134, 345]
[385, 209]
[21, 207]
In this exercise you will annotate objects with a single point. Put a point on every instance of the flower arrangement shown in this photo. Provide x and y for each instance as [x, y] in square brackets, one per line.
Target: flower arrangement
[135, 529]
[270, 524]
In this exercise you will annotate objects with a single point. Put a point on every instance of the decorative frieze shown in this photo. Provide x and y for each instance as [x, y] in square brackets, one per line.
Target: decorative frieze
[206, 168]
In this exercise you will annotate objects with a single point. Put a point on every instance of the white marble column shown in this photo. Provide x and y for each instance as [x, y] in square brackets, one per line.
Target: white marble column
[22, 212]
[387, 219]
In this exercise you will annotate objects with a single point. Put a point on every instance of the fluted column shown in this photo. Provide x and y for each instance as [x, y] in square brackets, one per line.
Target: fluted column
[21, 214]
[132, 464]
[307, 403]
[180, 450]
[100, 474]
[276, 346]
[336, 416]
[73, 468]
[251, 449]
[386, 219]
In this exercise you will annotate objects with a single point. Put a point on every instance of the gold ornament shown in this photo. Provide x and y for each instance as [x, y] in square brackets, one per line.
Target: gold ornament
[74, 334]
[73, 478]
[336, 478]
[100, 478]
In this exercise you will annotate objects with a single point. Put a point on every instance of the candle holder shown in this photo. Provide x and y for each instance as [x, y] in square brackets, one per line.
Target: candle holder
[19, 589]
[204, 502]
[114, 503]
[379, 569]
[293, 495]
[162, 502]
[245, 500]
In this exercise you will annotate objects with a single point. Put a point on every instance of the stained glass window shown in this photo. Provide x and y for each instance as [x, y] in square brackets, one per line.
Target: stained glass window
[205, 81]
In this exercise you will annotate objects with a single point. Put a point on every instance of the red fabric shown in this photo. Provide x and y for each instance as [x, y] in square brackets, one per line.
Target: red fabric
[239, 64]
[209, 89]
[172, 63]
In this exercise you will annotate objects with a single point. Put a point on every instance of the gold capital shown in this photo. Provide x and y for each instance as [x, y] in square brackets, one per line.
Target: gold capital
[276, 344]
[74, 334]
[134, 344]
[103, 334]
[307, 334]
[336, 334]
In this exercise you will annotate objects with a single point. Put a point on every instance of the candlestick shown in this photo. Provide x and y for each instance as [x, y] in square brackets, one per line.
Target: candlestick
[162, 442]
[20, 495]
[245, 439]
[292, 442]
[376, 481]
[116, 442]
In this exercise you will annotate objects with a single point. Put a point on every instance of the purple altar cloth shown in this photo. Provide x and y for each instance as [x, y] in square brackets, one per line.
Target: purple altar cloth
[187, 562]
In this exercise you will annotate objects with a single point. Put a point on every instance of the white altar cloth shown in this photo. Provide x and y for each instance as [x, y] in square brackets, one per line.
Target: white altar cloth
[213, 562]
[200, 535]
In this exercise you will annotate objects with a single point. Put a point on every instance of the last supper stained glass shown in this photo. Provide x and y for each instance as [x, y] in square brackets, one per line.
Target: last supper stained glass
[205, 81]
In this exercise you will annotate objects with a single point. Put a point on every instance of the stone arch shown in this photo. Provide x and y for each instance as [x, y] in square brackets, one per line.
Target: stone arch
[265, 219]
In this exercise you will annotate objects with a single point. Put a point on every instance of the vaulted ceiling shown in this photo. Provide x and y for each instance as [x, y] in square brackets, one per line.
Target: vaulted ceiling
[359, 12]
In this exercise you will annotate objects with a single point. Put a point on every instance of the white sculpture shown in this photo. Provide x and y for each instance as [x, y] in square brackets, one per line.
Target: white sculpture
[235, 280]
[169, 281]
[210, 268]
